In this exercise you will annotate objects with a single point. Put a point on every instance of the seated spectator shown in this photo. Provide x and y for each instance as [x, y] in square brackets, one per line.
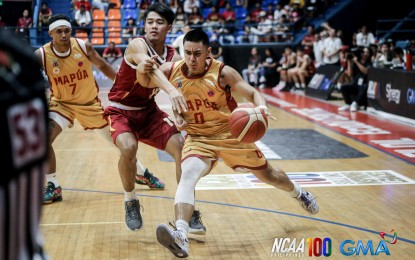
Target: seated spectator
[84, 3]
[264, 30]
[355, 93]
[303, 69]
[111, 53]
[178, 42]
[268, 69]
[195, 18]
[130, 30]
[101, 5]
[282, 29]
[180, 20]
[188, 6]
[255, 13]
[228, 18]
[212, 20]
[217, 49]
[288, 60]
[398, 61]
[82, 20]
[384, 57]
[251, 73]
[44, 14]
[23, 24]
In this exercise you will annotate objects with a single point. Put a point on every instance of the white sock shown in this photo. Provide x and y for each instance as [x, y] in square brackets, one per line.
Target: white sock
[296, 192]
[182, 226]
[130, 195]
[297, 85]
[282, 83]
[140, 168]
[302, 85]
[52, 178]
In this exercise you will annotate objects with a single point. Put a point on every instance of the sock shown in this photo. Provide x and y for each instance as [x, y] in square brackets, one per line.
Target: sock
[297, 85]
[296, 192]
[182, 226]
[302, 85]
[52, 178]
[129, 195]
[140, 168]
[282, 83]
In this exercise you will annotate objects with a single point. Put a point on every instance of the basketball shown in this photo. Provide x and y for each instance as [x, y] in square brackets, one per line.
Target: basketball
[248, 123]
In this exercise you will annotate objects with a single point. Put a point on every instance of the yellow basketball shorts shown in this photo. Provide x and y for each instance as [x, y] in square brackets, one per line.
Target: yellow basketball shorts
[89, 116]
[239, 156]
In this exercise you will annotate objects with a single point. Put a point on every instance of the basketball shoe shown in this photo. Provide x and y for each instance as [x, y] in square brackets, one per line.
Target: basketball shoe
[133, 220]
[51, 193]
[308, 202]
[173, 240]
[196, 226]
[150, 180]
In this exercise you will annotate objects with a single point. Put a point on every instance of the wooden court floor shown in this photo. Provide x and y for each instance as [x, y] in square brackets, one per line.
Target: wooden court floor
[241, 223]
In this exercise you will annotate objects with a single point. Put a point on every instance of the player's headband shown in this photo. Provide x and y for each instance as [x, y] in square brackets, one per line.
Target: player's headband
[58, 23]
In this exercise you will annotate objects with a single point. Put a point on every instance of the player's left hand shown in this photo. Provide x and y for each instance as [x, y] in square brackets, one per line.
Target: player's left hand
[147, 65]
[268, 114]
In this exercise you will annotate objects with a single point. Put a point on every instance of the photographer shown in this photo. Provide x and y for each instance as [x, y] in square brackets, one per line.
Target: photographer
[354, 94]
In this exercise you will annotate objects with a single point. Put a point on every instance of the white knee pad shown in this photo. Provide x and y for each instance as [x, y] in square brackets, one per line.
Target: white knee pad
[60, 120]
[193, 169]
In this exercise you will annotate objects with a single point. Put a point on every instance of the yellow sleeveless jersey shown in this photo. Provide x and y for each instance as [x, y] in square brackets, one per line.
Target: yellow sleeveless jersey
[70, 77]
[209, 103]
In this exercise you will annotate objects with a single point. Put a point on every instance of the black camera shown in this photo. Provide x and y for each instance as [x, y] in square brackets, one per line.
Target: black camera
[353, 52]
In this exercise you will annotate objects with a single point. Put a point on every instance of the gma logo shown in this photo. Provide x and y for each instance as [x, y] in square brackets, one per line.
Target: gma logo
[349, 247]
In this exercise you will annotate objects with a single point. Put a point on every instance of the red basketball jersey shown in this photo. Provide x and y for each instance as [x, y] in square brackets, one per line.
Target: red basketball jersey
[127, 91]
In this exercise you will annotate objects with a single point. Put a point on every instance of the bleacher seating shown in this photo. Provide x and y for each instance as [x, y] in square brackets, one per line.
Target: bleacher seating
[130, 13]
[98, 15]
[114, 14]
[129, 4]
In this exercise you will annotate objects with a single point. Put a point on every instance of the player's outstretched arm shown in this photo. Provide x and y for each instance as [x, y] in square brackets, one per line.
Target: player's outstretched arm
[99, 62]
[149, 74]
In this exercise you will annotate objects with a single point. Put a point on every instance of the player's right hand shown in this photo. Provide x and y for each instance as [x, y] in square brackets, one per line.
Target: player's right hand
[178, 102]
[148, 65]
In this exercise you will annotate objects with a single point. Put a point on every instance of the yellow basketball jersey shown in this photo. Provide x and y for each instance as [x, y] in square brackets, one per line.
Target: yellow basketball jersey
[209, 103]
[70, 77]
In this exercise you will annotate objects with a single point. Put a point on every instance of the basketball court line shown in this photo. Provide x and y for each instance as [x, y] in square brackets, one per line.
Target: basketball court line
[407, 240]
[353, 125]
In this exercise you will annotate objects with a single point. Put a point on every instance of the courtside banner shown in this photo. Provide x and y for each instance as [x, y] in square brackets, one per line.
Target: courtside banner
[392, 91]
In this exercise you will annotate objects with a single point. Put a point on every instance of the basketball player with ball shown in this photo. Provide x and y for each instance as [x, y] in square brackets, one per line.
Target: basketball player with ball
[208, 85]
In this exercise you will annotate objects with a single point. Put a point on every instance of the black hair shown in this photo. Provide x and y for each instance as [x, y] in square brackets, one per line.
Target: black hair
[163, 10]
[197, 35]
[56, 17]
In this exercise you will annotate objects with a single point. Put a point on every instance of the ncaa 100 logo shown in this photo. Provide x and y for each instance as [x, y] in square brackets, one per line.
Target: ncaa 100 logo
[287, 247]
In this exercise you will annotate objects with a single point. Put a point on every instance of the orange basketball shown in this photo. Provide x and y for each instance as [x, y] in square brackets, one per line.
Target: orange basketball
[248, 123]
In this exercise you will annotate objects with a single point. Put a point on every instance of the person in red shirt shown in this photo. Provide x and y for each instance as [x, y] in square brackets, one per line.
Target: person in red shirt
[111, 51]
[23, 24]
[86, 3]
[44, 14]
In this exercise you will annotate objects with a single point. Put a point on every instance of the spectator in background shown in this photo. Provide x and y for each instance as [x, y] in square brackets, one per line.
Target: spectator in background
[398, 61]
[83, 20]
[188, 6]
[364, 38]
[264, 30]
[195, 18]
[383, 58]
[229, 18]
[84, 3]
[288, 60]
[111, 52]
[212, 20]
[303, 69]
[44, 14]
[177, 44]
[251, 74]
[23, 24]
[308, 41]
[318, 48]
[217, 49]
[130, 30]
[331, 48]
[180, 21]
[279, 11]
[355, 93]
[268, 67]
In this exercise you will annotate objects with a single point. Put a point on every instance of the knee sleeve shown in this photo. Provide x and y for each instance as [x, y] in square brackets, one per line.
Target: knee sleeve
[60, 120]
[193, 169]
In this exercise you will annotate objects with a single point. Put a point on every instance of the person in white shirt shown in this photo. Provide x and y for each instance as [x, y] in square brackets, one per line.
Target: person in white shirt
[331, 48]
[364, 38]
